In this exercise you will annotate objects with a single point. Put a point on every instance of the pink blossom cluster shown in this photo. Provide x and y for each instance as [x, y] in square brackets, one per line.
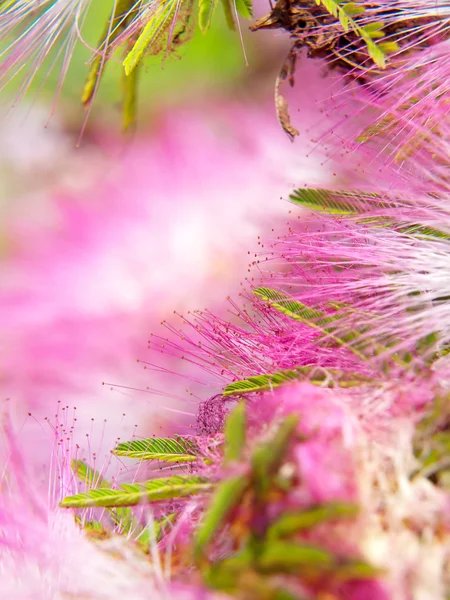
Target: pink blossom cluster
[342, 322]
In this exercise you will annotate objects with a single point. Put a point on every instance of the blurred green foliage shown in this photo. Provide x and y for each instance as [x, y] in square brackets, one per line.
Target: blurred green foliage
[207, 64]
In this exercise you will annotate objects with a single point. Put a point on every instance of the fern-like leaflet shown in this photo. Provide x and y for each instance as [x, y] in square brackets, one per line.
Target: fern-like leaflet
[345, 13]
[127, 494]
[170, 450]
[313, 374]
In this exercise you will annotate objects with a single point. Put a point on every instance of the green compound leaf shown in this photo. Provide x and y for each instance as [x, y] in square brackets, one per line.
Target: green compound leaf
[123, 518]
[289, 557]
[228, 12]
[312, 374]
[269, 454]
[156, 530]
[339, 202]
[177, 486]
[260, 383]
[310, 316]
[417, 230]
[87, 475]
[122, 13]
[171, 450]
[234, 432]
[412, 229]
[358, 202]
[354, 570]
[244, 8]
[294, 309]
[291, 523]
[388, 47]
[225, 574]
[159, 21]
[229, 574]
[382, 126]
[206, 9]
[345, 13]
[374, 29]
[94, 529]
[435, 454]
[227, 496]
[427, 342]
[130, 87]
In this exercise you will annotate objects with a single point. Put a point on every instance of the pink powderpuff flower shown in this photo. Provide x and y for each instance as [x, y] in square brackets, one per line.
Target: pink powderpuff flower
[366, 42]
[376, 260]
[391, 247]
[346, 452]
[356, 446]
[402, 119]
[359, 294]
[45, 555]
[395, 280]
[329, 432]
[86, 282]
[367, 461]
[399, 113]
[324, 270]
[165, 228]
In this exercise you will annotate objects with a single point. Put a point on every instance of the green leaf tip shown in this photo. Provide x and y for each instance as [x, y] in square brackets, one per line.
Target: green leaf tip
[227, 496]
[345, 13]
[244, 8]
[121, 15]
[270, 453]
[87, 475]
[292, 522]
[158, 22]
[235, 433]
[340, 202]
[130, 93]
[206, 9]
[290, 557]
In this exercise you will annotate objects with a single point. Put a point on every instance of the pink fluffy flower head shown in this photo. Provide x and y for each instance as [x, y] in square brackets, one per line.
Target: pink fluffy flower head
[354, 301]
[45, 554]
[147, 232]
[338, 348]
